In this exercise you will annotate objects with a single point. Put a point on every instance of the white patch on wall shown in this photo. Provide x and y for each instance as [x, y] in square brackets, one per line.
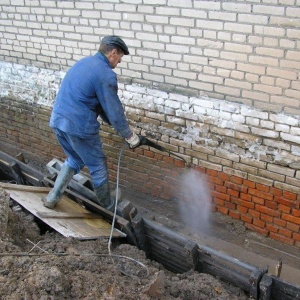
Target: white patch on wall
[225, 127]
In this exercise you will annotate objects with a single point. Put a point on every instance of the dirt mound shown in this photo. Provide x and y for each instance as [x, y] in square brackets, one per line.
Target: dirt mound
[39, 263]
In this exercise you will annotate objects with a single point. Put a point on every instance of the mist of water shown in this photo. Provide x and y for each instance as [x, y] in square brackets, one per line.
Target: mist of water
[195, 204]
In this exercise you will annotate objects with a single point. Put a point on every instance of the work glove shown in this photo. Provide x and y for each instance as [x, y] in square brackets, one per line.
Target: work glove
[133, 141]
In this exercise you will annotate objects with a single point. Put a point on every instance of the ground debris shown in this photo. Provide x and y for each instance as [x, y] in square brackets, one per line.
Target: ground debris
[50, 266]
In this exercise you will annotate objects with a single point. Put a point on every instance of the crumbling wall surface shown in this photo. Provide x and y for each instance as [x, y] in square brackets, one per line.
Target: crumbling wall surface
[216, 82]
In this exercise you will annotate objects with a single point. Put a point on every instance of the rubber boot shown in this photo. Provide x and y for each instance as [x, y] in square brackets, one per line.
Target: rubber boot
[104, 198]
[63, 179]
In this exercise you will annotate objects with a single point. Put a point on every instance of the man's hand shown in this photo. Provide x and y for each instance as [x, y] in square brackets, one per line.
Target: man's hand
[133, 141]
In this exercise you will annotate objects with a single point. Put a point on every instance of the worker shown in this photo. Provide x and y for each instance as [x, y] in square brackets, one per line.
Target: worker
[88, 90]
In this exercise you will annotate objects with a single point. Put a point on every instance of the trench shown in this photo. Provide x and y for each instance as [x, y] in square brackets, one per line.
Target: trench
[174, 251]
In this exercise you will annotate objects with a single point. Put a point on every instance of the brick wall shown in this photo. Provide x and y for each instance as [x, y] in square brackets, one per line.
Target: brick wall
[215, 82]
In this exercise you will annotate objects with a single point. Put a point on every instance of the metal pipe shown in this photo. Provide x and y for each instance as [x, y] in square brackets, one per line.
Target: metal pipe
[145, 141]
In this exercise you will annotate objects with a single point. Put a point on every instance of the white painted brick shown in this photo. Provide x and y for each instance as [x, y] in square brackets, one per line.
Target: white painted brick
[293, 12]
[252, 121]
[180, 3]
[241, 127]
[281, 170]
[295, 130]
[182, 22]
[225, 115]
[237, 7]
[267, 124]
[243, 28]
[271, 31]
[178, 97]
[192, 13]
[216, 25]
[226, 16]
[207, 5]
[249, 112]
[177, 48]
[238, 118]
[284, 119]
[290, 138]
[253, 19]
[157, 19]
[183, 40]
[268, 9]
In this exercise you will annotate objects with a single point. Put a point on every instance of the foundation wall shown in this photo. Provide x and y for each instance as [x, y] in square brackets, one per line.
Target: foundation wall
[215, 82]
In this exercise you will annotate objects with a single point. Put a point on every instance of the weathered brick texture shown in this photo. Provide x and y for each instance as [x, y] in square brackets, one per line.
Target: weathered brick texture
[216, 82]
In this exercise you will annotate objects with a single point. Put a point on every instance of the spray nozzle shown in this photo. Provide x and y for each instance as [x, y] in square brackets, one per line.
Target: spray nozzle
[147, 142]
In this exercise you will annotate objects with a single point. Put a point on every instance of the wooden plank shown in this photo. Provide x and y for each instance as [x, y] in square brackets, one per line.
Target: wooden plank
[80, 228]
[25, 188]
[57, 215]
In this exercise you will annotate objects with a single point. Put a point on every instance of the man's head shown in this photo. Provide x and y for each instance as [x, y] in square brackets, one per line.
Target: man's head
[113, 47]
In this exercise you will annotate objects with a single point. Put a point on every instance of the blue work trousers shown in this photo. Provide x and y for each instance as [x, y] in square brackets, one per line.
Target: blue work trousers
[84, 152]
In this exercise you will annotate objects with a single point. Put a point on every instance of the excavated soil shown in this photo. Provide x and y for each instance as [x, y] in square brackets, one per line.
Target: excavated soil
[38, 263]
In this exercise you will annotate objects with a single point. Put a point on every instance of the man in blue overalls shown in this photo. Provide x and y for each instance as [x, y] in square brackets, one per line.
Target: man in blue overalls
[89, 89]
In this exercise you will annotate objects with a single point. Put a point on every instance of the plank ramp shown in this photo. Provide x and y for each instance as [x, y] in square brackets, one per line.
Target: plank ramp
[68, 217]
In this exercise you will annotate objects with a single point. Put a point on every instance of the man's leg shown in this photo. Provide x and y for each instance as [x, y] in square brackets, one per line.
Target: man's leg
[71, 166]
[91, 152]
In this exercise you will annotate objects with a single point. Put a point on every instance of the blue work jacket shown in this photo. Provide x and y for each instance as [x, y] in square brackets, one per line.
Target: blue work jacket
[89, 84]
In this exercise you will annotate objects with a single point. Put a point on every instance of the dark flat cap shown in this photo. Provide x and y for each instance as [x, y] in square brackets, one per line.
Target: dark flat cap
[116, 41]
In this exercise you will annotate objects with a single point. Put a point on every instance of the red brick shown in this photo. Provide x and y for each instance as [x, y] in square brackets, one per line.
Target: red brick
[258, 200]
[266, 218]
[243, 203]
[285, 202]
[158, 156]
[219, 201]
[169, 159]
[237, 187]
[285, 232]
[200, 169]
[296, 212]
[232, 193]
[293, 227]
[249, 183]
[246, 219]
[263, 188]
[296, 236]
[284, 208]
[276, 192]
[289, 195]
[221, 189]
[220, 195]
[254, 213]
[230, 205]
[259, 223]
[212, 173]
[216, 180]
[242, 209]
[234, 215]
[179, 163]
[260, 194]
[224, 176]
[223, 210]
[236, 179]
[272, 228]
[280, 222]
[267, 211]
[271, 204]
[261, 231]
[281, 238]
[246, 197]
[291, 218]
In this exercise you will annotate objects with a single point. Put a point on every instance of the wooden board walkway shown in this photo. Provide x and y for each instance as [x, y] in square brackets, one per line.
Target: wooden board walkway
[68, 217]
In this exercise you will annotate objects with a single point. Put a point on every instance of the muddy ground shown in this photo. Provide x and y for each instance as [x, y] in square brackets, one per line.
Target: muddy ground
[38, 263]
